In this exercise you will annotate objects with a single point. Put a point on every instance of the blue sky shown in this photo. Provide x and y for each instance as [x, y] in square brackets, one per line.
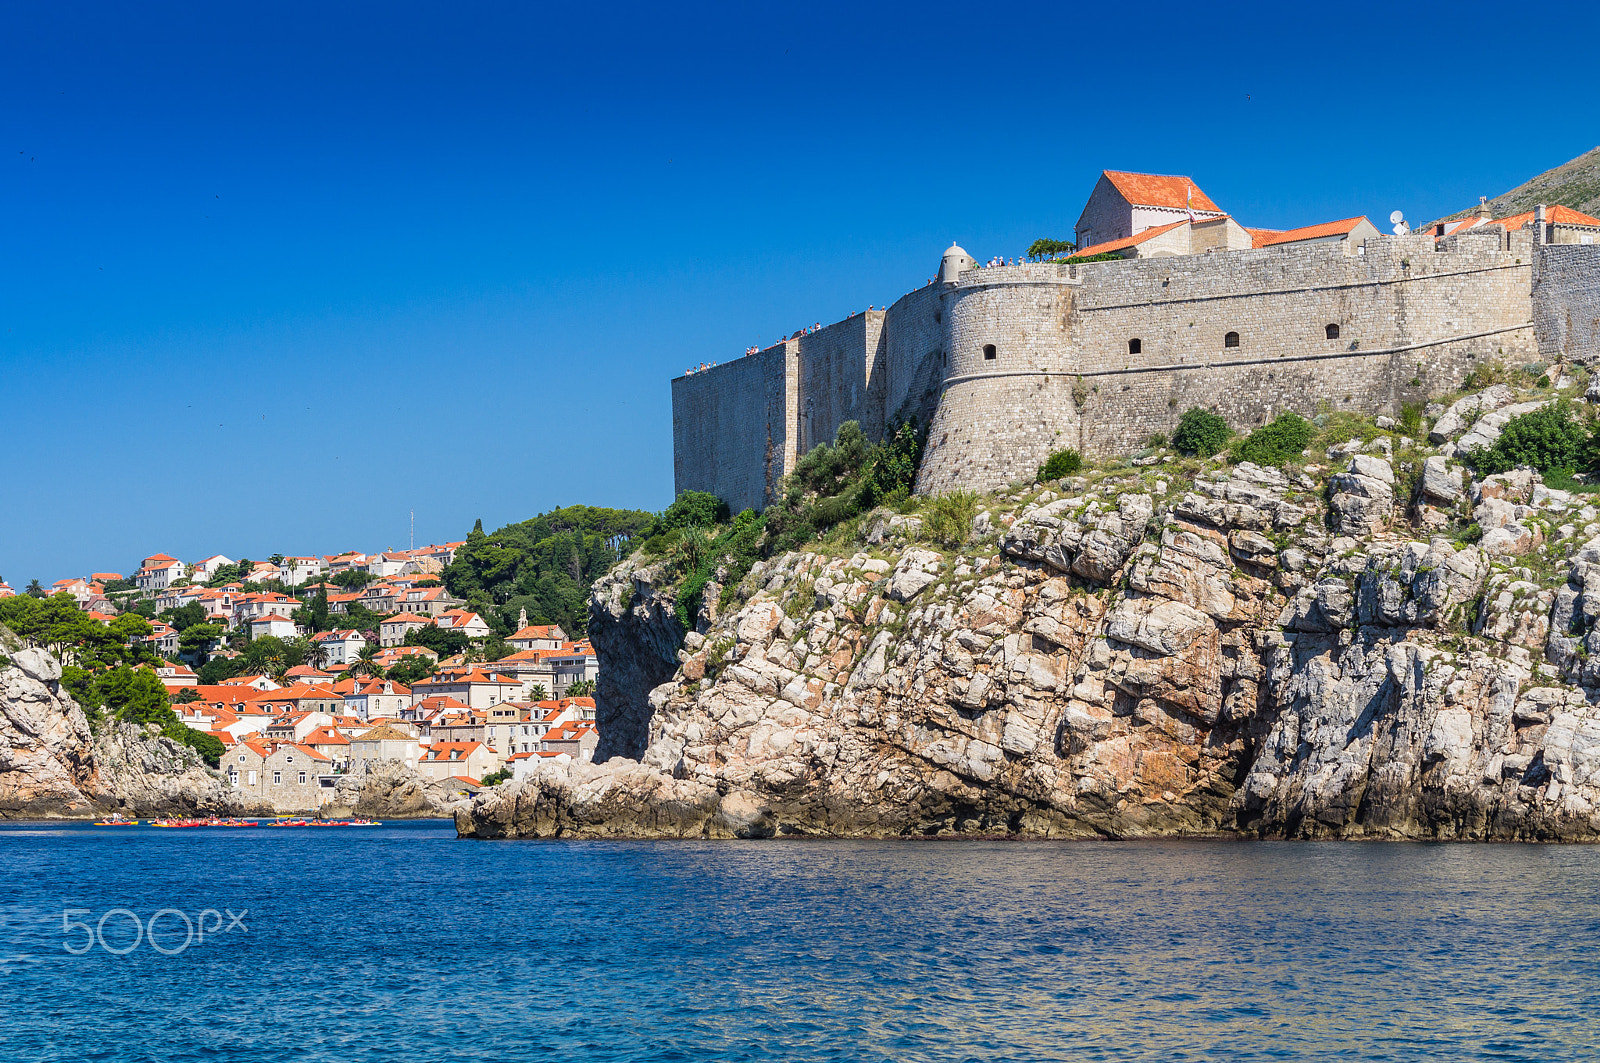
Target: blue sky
[276, 276]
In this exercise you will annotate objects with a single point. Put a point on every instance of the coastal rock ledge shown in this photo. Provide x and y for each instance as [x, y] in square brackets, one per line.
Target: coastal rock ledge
[1240, 665]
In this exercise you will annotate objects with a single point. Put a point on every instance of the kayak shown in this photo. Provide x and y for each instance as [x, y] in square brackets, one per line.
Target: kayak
[116, 823]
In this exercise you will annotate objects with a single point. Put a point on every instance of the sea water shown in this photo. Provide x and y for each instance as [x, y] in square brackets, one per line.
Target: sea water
[401, 942]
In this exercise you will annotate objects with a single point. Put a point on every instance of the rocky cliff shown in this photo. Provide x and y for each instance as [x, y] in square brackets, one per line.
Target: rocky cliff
[1156, 649]
[52, 765]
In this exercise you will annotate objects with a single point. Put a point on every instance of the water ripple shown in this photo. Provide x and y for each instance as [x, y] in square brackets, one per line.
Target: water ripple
[403, 944]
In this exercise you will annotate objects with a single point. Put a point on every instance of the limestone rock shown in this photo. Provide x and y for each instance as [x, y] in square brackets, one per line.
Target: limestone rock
[1486, 429]
[1440, 484]
[1242, 671]
[1363, 495]
[1455, 419]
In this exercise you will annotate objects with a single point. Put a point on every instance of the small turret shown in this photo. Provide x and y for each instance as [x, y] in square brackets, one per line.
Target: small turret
[955, 260]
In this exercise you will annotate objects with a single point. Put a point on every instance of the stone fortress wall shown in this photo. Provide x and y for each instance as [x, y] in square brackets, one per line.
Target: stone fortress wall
[1013, 362]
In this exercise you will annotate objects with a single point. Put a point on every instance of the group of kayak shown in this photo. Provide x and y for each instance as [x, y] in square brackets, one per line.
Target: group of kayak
[213, 821]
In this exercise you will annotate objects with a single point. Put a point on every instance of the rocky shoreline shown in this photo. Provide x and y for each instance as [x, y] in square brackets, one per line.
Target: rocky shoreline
[53, 767]
[1241, 651]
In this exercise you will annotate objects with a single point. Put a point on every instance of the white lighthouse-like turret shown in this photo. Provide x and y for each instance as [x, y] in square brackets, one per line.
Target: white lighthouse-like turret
[955, 260]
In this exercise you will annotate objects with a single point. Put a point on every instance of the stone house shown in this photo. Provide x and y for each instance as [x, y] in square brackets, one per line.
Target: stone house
[385, 742]
[1123, 205]
[393, 630]
[283, 774]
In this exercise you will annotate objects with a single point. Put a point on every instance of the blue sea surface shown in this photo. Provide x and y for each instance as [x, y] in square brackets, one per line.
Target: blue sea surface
[401, 942]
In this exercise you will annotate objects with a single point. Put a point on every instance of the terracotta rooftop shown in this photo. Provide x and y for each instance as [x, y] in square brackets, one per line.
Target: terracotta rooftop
[1161, 190]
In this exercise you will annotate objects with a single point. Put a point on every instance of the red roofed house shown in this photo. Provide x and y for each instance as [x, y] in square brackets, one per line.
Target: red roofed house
[158, 572]
[537, 636]
[393, 630]
[474, 687]
[295, 726]
[1562, 225]
[465, 621]
[207, 569]
[174, 676]
[395, 654]
[163, 637]
[1126, 204]
[297, 570]
[372, 698]
[273, 624]
[283, 774]
[577, 740]
[331, 743]
[343, 646]
[1356, 230]
[576, 663]
[444, 759]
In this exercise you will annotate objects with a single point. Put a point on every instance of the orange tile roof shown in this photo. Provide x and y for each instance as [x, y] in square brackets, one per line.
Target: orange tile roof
[1305, 232]
[1160, 190]
[1554, 215]
[1128, 241]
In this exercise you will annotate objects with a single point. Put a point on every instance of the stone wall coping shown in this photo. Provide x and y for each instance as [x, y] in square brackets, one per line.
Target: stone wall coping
[1089, 306]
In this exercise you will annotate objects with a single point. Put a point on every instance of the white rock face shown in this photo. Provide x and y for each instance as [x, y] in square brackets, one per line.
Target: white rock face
[1487, 428]
[1117, 661]
[1455, 419]
[1363, 495]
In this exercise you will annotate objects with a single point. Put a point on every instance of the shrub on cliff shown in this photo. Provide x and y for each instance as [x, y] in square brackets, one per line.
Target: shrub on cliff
[1550, 438]
[1277, 443]
[693, 509]
[1060, 463]
[948, 518]
[1200, 432]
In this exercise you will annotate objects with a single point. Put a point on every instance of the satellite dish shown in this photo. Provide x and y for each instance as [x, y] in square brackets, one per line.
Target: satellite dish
[1396, 217]
[1400, 226]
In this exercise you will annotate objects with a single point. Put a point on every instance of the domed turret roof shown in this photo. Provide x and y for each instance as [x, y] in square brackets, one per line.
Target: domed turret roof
[956, 249]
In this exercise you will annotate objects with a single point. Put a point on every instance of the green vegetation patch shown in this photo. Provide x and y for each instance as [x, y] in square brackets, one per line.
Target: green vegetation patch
[1200, 433]
[1278, 443]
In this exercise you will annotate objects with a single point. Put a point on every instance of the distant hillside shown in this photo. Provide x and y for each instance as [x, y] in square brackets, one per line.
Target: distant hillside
[1575, 184]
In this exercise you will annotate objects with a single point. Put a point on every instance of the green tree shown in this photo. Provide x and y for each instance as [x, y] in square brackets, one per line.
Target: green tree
[1049, 248]
[444, 643]
[537, 692]
[365, 664]
[185, 616]
[194, 639]
[583, 688]
[35, 589]
[1200, 432]
[409, 670]
[544, 565]
[352, 577]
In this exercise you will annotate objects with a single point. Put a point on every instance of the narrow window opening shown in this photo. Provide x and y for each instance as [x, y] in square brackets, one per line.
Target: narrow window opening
[988, 352]
[1231, 340]
[1333, 332]
[1135, 346]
